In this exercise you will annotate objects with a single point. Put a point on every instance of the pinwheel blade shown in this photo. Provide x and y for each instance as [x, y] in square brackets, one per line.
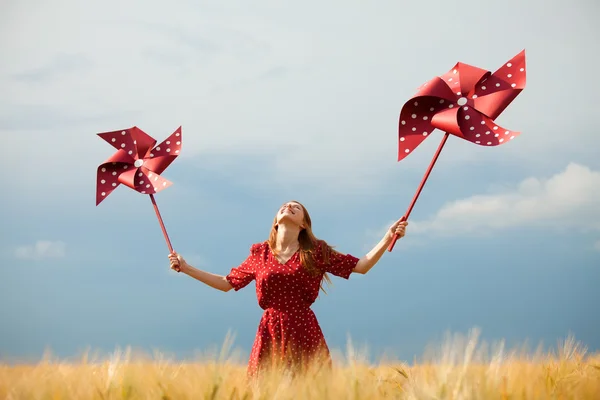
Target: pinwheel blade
[164, 153]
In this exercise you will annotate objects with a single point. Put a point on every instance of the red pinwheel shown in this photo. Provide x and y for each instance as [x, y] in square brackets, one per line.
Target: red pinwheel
[464, 102]
[137, 164]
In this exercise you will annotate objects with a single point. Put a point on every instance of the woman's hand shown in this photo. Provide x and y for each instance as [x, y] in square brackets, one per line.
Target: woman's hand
[177, 262]
[398, 228]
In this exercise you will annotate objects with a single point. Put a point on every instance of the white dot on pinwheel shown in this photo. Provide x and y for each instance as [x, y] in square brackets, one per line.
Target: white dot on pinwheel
[138, 163]
[462, 101]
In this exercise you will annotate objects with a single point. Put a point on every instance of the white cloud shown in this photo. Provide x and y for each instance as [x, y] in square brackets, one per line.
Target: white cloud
[320, 104]
[568, 200]
[42, 249]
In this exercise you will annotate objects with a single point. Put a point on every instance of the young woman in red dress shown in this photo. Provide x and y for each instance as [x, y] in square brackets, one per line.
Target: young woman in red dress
[289, 269]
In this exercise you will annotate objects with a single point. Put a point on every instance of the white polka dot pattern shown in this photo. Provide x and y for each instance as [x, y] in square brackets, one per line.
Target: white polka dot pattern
[464, 102]
[136, 163]
[289, 332]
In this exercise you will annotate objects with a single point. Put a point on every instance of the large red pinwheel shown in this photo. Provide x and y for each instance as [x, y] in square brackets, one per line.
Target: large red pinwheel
[464, 102]
[137, 164]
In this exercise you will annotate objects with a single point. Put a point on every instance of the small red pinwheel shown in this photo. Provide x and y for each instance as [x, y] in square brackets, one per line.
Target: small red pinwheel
[464, 102]
[137, 164]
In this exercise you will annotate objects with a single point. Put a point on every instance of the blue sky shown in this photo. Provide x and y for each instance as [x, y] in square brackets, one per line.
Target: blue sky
[277, 102]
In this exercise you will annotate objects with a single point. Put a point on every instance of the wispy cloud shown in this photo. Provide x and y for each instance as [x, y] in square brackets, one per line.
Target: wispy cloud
[569, 199]
[60, 65]
[42, 249]
[597, 245]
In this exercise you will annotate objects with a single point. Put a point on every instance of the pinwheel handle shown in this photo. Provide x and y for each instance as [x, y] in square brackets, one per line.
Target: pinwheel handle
[162, 225]
[414, 200]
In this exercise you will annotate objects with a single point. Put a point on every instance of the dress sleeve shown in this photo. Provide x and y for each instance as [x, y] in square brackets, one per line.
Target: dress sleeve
[339, 264]
[243, 274]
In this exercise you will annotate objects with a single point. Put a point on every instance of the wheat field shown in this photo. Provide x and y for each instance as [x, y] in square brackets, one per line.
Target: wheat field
[462, 367]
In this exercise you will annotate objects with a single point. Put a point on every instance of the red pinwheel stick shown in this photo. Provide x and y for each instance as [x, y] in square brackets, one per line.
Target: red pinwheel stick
[414, 200]
[160, 221]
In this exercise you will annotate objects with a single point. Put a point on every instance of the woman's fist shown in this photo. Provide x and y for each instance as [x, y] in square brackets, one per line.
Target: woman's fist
[177, 262]
[398, 228]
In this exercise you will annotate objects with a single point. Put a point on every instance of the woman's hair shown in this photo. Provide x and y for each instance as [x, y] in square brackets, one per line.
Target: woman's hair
[308, 245]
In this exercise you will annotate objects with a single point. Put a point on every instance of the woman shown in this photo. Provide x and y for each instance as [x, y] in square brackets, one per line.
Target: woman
[289, 269]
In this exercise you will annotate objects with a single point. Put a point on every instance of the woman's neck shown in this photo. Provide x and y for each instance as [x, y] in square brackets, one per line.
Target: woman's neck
[287, 237]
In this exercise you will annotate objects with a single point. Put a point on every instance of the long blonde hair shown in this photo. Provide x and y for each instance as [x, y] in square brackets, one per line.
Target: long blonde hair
[308, 243]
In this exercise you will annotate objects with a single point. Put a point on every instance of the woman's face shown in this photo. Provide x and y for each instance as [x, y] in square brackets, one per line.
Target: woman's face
[291, 212]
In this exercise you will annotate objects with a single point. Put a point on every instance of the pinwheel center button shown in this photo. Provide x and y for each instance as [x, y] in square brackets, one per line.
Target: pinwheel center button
[138, 163]
[462, 101]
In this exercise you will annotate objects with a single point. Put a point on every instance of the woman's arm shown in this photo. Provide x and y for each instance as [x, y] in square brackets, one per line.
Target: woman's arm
[213, 280]
[371, 258]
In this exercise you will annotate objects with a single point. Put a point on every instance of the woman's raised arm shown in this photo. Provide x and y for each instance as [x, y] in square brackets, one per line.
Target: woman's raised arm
[371, 258]
[213, 280]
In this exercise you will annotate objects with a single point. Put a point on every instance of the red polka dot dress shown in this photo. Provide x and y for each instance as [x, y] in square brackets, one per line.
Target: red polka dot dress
[288, 333]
